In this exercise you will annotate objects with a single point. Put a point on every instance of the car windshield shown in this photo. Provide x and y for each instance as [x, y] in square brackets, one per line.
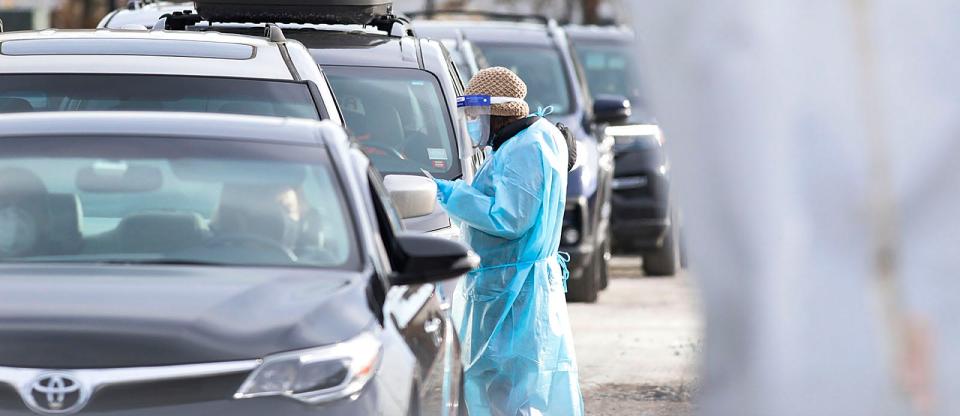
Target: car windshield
[541, 68]
[110, 92]
[171, 201]
[611, 69]
[400, 117]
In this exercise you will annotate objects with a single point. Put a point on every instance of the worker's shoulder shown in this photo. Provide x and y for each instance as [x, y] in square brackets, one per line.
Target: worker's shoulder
[546, 131]
[536, 140]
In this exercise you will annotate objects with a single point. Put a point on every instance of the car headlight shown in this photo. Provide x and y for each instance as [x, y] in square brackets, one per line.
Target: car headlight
[318, 374]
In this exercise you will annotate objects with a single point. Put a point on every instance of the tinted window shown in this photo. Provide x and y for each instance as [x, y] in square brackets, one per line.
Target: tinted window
[128, 200]
[401, 118]
[542, 69]
[611, 69]
[102, 92]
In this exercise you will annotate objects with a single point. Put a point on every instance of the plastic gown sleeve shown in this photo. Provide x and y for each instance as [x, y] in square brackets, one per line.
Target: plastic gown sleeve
[512, 210]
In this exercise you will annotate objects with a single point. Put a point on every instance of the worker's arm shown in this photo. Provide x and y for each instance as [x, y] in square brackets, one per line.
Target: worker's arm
[515, 205]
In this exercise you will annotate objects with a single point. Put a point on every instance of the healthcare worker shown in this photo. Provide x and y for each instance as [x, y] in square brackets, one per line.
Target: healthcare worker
[512, 312]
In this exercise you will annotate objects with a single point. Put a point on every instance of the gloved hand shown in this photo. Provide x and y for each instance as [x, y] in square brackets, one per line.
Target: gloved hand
[444, 189]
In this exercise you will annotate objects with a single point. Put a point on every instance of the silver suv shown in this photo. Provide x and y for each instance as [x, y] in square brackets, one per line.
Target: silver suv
[140, 70]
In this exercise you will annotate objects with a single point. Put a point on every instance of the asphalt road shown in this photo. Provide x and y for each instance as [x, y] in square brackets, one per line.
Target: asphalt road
[637, 347]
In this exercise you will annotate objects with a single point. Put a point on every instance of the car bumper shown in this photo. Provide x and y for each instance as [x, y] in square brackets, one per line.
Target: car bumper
[640, 201]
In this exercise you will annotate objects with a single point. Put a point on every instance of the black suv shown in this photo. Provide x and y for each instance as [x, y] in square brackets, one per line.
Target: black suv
[538, 50]
[207, 264]
[644, 217]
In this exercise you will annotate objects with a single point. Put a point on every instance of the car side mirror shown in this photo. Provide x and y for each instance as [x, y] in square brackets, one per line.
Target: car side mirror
[413, 196]
[428, 259]
[611, 109]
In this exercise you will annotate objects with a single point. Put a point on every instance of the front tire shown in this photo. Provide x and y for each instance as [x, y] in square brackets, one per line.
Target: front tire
[665, 260]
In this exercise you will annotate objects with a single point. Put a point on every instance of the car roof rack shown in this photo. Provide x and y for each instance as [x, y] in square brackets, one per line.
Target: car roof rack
[360, 12]
[366, 13]
[139, 4]
[505, 17]
[395, 26]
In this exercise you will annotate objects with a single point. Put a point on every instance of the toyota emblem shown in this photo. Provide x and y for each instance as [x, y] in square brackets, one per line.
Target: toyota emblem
[55, 394]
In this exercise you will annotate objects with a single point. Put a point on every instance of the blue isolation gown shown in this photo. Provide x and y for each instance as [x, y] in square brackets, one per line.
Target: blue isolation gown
[512, 312]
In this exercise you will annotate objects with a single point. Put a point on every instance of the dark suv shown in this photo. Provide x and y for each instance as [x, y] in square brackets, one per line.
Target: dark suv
[206, 264]
[644, 217]
[538, 50]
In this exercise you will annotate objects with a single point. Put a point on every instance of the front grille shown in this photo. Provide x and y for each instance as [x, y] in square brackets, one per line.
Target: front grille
[654, 186]
[159, 393]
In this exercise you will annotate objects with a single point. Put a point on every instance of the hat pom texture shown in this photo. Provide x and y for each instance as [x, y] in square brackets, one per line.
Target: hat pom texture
[501, 82]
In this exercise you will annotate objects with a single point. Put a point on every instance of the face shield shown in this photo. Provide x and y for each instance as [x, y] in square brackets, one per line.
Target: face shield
[474, 110]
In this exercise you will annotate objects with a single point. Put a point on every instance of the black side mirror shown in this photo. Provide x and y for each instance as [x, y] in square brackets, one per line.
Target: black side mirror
[429, 259]
[611, 109]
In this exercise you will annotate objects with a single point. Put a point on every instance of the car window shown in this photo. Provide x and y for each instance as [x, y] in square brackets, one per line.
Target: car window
[611, 69]
[400, 117]
[110, 92]
[129, 200]
[541, 68]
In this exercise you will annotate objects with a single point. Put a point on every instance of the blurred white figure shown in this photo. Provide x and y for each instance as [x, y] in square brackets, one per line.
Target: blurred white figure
[816, 144]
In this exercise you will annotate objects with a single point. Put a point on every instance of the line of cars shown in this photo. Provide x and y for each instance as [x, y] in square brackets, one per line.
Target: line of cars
[619, 196]
[186, 229]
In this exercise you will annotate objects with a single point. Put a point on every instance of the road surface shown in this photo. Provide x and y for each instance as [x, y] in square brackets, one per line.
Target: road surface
[637, 346]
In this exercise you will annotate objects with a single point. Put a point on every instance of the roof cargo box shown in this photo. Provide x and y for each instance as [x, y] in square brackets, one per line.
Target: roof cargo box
[294, 11]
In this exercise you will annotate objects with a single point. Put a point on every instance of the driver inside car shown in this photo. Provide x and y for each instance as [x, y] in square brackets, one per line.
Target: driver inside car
[271, 214]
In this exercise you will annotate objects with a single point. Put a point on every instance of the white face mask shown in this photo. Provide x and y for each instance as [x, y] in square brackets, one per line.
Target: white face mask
[18, 231]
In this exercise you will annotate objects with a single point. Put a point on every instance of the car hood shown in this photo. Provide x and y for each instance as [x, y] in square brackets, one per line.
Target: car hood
[69, 317]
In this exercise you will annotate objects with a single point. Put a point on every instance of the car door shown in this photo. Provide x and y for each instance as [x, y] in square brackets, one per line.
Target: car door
[422, 316]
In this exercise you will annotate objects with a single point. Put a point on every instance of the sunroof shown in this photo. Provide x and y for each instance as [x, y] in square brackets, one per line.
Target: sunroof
[135, 47]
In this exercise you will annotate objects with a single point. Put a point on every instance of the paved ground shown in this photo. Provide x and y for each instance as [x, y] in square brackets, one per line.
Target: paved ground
[637, 346]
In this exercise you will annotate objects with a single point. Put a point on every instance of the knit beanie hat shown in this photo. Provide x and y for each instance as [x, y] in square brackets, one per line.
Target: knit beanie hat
[501, 82]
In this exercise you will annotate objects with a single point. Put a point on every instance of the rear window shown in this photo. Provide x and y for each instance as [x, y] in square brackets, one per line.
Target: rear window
[108, 92]
[138, 47]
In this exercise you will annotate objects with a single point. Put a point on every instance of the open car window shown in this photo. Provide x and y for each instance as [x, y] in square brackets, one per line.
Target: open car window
[400, 117]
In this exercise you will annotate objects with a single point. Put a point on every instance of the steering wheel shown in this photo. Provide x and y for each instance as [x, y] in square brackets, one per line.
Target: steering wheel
[249, 240]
